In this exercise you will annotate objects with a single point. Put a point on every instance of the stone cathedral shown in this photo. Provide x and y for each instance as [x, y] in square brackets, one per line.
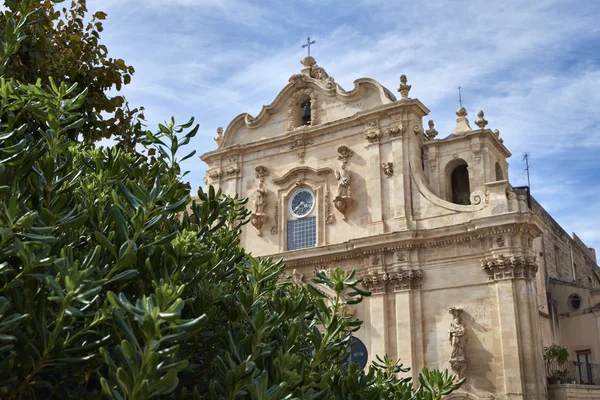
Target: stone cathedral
[461, 275]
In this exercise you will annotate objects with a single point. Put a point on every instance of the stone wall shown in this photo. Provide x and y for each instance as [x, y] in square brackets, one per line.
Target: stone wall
[573, 392]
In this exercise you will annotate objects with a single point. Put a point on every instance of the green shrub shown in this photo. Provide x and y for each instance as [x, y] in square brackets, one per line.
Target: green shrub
[111, 285]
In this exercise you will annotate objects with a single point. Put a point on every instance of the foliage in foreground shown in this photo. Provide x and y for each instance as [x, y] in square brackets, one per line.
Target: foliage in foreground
[62, 41]
[104, 288]
[110, 287]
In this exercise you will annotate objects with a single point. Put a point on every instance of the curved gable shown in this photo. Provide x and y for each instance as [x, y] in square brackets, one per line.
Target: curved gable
[329, 102]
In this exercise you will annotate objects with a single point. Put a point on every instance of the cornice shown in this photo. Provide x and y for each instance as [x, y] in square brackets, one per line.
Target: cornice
[486, 134]
[477, 229]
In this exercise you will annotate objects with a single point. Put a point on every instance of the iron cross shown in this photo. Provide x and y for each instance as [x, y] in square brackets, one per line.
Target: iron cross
[308, 43]
[459, 96]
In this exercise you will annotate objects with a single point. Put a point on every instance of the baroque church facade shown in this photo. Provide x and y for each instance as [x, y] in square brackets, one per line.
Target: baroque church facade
[457, 259]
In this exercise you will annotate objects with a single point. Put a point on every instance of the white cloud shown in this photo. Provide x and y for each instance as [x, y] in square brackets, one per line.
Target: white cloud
[528, 65]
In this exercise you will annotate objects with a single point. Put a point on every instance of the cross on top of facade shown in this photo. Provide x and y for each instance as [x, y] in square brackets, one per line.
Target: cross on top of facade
[308, 43]
[460, 96]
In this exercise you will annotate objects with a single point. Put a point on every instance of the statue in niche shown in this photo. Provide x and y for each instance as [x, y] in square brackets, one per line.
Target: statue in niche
[343, 202]
[258, 217]
[343, 177]
[259, 198]
[457, 337]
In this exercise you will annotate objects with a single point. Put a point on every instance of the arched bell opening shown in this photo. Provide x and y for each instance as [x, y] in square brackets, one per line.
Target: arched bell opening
[499, 173]
[459, 188]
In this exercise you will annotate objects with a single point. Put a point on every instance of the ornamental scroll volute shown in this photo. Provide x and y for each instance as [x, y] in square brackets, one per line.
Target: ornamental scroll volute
[343, 200]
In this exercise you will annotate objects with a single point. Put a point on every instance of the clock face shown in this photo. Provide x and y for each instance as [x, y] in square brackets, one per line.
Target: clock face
[302, 203]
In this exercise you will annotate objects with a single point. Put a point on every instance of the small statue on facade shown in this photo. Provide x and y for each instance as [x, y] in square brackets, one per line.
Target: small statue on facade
[343, 201]
[458, 339]
[343, 177]
[258, 217]
[219, 137]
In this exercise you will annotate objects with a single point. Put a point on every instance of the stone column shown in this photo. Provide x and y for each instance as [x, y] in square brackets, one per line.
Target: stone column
[519, 342]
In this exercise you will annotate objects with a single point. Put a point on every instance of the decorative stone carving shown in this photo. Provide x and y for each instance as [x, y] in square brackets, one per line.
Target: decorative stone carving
[214, 174]
[381, 282]
[372, 132]
[258, 221]
[431, 133]
[300, 146]
[233, 170]
[373, 135]
[404, 87]
[260, 195]
[395, 131]
[219, 137]
[457, 336]
[480, 121]
[500, 241]
[329, 217]
[476, 197]
[388, 168]
[275, 228]
[261, 171]
[297, 278]
[500, 267]
[497, 133]
[344, 153]
[401, 256]
[258, 217]
[343, 201]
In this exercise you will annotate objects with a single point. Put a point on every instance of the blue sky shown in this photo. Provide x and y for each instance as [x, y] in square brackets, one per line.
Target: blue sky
[533, 67]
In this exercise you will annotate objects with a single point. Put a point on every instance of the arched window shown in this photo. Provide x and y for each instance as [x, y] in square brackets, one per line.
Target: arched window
[459, 182]
[499, 173]
[302, 221]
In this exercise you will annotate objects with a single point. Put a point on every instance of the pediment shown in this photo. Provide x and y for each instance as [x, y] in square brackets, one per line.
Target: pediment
[329, 102]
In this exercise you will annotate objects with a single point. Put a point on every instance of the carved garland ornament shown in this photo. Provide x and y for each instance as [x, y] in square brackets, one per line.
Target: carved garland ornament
[372, 132]
[513, 267]
[382, 282]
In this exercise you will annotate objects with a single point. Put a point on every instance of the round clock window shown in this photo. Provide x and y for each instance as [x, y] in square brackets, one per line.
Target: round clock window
[302, 203]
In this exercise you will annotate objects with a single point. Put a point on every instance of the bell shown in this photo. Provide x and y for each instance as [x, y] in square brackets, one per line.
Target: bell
[306, 113]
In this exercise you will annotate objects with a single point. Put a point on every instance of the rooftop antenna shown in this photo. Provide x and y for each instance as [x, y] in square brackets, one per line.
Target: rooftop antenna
[308, 43]
[526, 158]
[460, 96]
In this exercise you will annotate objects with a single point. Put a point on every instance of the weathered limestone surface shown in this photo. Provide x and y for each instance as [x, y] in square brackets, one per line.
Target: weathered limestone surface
[454, 285]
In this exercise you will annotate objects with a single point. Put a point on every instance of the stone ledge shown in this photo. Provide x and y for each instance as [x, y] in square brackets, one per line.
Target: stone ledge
[572, 392]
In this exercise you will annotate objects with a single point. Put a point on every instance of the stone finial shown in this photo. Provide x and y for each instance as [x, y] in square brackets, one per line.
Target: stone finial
[480, 121]
[308, 61]
[404, 87]
[431, 133]
[219, 137]
[462, 123]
